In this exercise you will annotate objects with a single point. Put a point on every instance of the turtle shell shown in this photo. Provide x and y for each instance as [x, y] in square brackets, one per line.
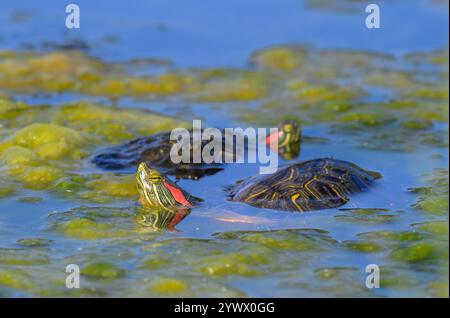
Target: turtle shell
[154, 150]
[310, 185]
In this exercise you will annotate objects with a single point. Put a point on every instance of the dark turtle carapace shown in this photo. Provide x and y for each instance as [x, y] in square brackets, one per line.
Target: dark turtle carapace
[310, 185]
[155, 151]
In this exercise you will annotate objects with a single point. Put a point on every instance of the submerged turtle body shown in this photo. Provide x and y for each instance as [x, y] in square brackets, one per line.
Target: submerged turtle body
[310, 185]
[155, 150]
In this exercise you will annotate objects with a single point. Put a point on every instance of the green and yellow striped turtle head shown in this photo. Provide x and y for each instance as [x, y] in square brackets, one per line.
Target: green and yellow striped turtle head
[290, 132]
[289, 136]
[145, 174]
[158, 191]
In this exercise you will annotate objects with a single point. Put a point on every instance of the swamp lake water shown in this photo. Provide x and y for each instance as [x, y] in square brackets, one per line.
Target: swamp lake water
[377, 98]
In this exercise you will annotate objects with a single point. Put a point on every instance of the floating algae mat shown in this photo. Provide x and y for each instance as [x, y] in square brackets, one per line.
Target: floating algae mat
[384, 112]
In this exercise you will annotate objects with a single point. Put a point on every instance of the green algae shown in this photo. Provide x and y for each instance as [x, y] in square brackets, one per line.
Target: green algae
[316, 86]
[333, 272]
[366, 215]
[27, 72]
[433, 227]
[94, 223]
[32, 242]
[210, 258]
[39, 178]
[232, 264]
[393, 236]
[155, 263]
[39, 156]
[251, 255]
[22, 257]
[396, 278]
[6, 191]
[308, 84]
[363, 246]
[99, 188]
[31, 199]
[168, 286]
[415, 106]
[294, 239]
[6, 106]
[438, 289]
[114, 186]
[284, 59]
[434, 199]
[113, 124]
[15, 278]
[89, 230]
[434, 205]
[103, 271]
[49, 141]
[416, 124]
[17, 155]
[251, 86]
[421, 252]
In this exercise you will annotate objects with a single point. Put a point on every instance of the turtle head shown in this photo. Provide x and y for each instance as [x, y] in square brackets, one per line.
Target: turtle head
[290, 131]
[288, 135]
[148, 175]
[157, 191]
[149, 182]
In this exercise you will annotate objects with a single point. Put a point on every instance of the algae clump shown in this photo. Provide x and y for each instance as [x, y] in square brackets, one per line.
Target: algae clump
[49, 141]
[103, 270]
[15, 278]
[84, 228]
[168, 286]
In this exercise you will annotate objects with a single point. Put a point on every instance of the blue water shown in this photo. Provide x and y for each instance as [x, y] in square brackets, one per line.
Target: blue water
[195, 33]
[198, 33]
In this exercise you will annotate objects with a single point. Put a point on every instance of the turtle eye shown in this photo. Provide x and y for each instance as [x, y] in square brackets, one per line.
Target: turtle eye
[287, 127]
[155, 178]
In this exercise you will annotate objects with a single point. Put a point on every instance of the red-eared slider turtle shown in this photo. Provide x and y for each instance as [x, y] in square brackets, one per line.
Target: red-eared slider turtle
[155, 151]
[159, 192]
[310, 185]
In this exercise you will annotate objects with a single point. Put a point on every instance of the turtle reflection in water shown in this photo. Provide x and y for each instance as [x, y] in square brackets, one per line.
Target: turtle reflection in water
[161, 219]
[155, 151]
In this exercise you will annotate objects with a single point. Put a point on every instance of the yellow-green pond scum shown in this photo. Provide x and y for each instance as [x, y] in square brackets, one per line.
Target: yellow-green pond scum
[387, 113]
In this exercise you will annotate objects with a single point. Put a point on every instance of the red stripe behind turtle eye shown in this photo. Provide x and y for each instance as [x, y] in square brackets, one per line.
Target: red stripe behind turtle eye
[273, 136]
[177, 195]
